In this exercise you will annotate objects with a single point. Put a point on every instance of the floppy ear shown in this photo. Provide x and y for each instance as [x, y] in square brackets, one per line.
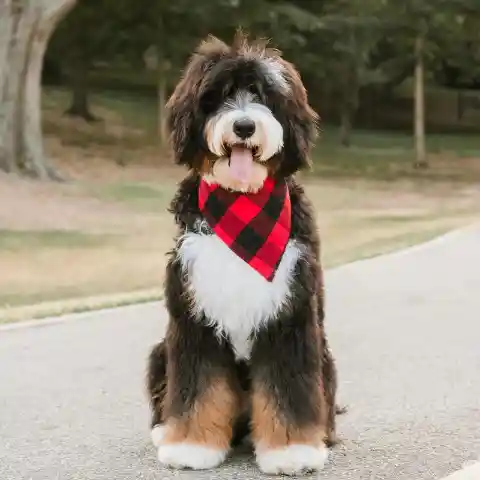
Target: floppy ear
[184, 117]
[300, 126]
[182, 109]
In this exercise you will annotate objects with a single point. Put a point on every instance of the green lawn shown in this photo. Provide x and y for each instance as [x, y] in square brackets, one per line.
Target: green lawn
[385, 155]
[144, 196]
[389, 156]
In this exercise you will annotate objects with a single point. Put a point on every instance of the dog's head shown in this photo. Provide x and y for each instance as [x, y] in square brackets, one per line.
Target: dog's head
[240, 113]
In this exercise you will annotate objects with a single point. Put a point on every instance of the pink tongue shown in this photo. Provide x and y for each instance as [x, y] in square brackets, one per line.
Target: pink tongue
[241, 163]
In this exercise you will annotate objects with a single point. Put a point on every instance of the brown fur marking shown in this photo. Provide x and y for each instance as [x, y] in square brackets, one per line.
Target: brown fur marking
[211, 420]
[270, 430]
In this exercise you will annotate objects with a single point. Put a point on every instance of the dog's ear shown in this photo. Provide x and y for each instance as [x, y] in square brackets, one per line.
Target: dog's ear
[184, 118]
[300, 126]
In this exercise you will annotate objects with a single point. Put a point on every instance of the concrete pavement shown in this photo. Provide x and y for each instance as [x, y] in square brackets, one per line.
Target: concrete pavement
[405, 329]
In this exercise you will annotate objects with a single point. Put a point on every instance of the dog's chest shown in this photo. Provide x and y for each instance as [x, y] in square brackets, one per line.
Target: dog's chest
[234, 298]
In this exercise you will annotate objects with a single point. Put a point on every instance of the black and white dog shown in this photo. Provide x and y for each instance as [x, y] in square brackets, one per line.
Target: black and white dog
[245, 351]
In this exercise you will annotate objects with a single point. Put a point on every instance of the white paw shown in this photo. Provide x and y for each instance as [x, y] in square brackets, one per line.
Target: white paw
[292, 460]
[185, 455]
[157, 434]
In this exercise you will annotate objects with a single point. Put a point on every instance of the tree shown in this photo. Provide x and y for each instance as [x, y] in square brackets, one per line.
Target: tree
[348, 45]
[163, 36]
[25, 29]
[419, 99]
[351, 42]
[91, 32]
[76, 43]
[420, 28]
[333, 42]
[456, 61]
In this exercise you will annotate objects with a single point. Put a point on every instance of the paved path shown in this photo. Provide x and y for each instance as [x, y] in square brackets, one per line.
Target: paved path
[406, 333]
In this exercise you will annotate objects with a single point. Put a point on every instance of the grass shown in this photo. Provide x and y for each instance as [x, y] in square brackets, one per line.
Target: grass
[17, 241]
[78, 305]
[389, 156]
[75, 246]
[384, 244]
[382, 155]
[140, 195]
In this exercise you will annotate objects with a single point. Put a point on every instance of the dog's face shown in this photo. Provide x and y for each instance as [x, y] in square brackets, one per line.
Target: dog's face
[240, 113]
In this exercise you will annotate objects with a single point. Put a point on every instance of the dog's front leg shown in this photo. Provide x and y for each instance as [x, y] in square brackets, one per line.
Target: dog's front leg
[202, 399]
[289, 412]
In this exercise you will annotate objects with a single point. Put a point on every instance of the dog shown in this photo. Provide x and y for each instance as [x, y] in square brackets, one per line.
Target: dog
[245, 355]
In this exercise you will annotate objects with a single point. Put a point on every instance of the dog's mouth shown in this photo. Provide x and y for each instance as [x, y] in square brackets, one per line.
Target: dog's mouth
[229, 149]
[240, 160]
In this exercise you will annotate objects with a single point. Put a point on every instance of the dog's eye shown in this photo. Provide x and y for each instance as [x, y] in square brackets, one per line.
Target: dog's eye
[209, 101]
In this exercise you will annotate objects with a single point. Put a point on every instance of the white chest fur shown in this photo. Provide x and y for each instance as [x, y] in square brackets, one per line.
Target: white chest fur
[235, 298]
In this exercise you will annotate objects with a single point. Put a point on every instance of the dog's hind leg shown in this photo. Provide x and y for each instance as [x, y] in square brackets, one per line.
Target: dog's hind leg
[329, 374]
[329, 377]
[156, 387]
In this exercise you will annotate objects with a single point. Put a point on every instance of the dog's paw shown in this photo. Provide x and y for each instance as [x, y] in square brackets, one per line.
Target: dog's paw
[157, 434]
[292, 460]
[185, 455]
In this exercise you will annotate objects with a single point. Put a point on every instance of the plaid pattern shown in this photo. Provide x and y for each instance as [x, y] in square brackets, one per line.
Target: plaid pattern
[255, 226]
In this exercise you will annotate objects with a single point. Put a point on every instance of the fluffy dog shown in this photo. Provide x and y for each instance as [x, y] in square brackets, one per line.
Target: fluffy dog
[245, 351]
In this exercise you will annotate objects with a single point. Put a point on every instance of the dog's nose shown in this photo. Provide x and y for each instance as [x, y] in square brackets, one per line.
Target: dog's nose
[244, 128]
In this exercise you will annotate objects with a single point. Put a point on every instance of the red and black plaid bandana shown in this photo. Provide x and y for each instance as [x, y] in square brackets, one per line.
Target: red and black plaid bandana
[255, 226]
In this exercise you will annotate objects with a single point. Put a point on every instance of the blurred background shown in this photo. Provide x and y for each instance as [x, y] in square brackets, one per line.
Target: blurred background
[85, 170]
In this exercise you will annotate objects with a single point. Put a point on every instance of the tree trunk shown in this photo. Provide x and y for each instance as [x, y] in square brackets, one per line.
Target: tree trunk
[15, 27]
[419, 99]
[162, 99]
[345, 126]
[351, 91]
[80, 106]
[25, 28]
[349, 107]
[163, 69]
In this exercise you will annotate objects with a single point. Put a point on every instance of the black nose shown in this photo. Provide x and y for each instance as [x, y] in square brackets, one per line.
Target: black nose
[244, 128]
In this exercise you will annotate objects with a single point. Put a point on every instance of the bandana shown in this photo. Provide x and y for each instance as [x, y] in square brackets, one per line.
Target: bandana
[255, 226]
